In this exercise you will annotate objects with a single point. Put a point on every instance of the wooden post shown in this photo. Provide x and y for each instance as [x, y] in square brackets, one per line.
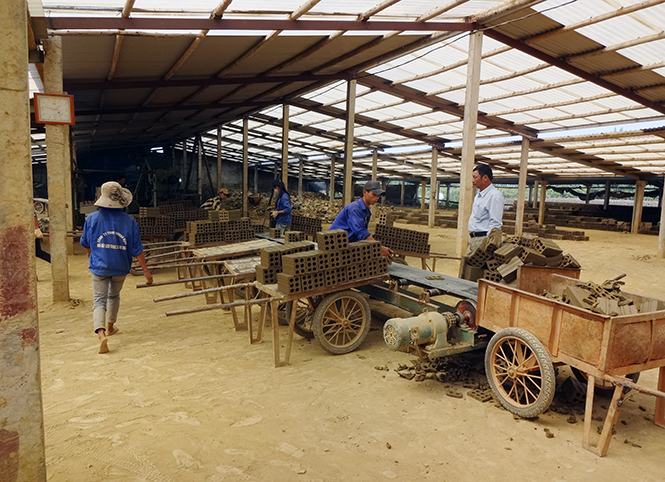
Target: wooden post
[384, 186]
[401, 194]
[199, 147]
[348, 146]
[375, 170]
[245, 163]
[332, 178]
[469, 141]
[447, 195]
[300, 168]
[637, 207]
[433, 188]
[423, 188]
[661, 232]
[588, 193]
[541, 210]
[58, 168]
[22, 457]
[256, 179]
[521, 190]
[285, 145]
[606, 202]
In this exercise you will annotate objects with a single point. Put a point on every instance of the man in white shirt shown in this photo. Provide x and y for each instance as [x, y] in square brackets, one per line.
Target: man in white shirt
[487, 210]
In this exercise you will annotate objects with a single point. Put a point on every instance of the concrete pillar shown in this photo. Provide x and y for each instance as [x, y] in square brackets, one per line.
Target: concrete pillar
[22, 457]
[423, 188]
[375, 170]
[469, 141]
[606, 201]
[637, 207]
[521, 189]
[348, 147]
[300, 168]
[285, 145]
[245, 164]
[219, 158]
[58, 169]
[433, 188]
[541, 210]
[332, 177]
[401, 193]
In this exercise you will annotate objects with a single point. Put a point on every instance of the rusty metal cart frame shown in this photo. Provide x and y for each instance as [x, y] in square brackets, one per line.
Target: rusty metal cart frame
[531, 331]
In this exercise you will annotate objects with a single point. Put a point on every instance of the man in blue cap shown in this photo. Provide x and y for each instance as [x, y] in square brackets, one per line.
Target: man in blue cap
[355, 216]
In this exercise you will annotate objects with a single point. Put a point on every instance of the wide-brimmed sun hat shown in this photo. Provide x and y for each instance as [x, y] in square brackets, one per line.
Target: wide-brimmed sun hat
[114, 196]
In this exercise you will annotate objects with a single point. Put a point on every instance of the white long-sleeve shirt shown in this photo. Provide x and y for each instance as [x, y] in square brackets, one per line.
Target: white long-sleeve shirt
[487, 210]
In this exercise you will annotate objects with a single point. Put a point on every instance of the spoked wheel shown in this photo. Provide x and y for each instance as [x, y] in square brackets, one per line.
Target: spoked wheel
[603, 388]
[304, 315]
[520, 372]
[341, 322]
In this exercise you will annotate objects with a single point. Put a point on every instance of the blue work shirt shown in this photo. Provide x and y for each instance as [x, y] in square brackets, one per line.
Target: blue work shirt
[354, 219]
[114, 239]
[487, 210]
[283, 204]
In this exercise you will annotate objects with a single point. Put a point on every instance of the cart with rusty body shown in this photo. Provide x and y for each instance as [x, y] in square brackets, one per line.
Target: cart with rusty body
[533, 333]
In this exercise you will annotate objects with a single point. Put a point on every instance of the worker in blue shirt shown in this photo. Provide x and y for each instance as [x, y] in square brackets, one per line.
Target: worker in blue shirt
[112, 240]
[355, 216]
[487, 210]
[282, 212]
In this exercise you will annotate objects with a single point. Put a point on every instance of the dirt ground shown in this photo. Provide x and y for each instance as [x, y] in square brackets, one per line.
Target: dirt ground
[187, 398]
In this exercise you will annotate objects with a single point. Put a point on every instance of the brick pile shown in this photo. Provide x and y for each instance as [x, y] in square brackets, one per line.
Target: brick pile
[294, 236]
[336, 262]
[305, 224]
[206, 231]
[404, 240]
[271, 259]
[498, 258]
[606, 299]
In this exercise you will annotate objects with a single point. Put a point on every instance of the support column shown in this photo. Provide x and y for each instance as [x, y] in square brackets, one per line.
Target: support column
[637, 207]
[58, 168]
[256, 179]
[531, 194]
[541, 210]
[332, 178]
[348, 147]
[69, 193]
[606, 201]
[433, 188]
[521, 189]
[536, 190]
[300, 168]
[285, 145]
[183, 168]
[375, 171]
[469, 141]
[22, 457]
[423, 188]
[447, 195]
[199, 148]
[384, 186]
[245, 164]
[401, 194]
[588, 194]
[661, 231]
[219, 158]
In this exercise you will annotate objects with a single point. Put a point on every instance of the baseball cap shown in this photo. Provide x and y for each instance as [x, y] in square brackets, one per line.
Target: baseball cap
[374, 186]
[224, 190]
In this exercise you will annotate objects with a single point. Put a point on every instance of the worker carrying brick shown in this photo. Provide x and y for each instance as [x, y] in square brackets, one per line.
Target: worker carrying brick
[216, 202]
[354, 218]
[282, 212]
[487, 210]
[112, 240]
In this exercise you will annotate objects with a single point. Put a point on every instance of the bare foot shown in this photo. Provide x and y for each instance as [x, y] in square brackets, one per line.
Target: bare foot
[111, 329]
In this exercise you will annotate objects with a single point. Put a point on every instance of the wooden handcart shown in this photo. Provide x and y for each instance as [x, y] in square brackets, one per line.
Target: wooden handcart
[532, 333]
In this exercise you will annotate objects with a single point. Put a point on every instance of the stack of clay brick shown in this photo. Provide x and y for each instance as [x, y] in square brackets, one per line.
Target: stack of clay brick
[275, 233]
[336, 262]
[305, 224]
[168, 218]
[606, 298]
[294, 236]
[271, 260]
[386, 219]
[204, 232]
[497, 259]
[404, 240]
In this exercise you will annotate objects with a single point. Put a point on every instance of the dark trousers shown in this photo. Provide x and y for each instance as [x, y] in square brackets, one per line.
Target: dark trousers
[40, 253]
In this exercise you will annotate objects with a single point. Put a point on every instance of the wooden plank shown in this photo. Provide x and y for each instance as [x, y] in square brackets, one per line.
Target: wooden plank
[659, 418]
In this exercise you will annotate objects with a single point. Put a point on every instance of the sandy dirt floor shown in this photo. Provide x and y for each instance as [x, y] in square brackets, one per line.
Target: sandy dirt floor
[187, 398]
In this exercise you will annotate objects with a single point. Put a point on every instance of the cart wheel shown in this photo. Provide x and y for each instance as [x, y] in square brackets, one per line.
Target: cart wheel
[520, 372]
[603, 388]
[304, 316]
[341, 322]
